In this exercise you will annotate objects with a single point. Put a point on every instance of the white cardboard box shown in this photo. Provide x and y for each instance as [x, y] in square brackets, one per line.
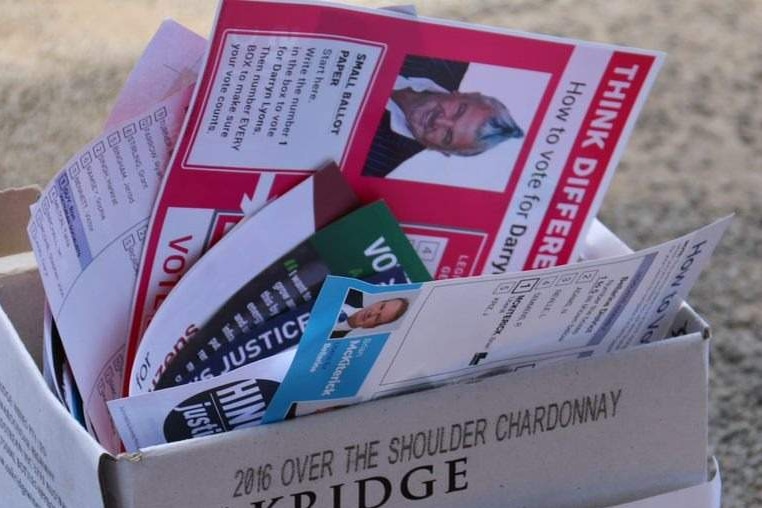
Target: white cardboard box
[487, 443]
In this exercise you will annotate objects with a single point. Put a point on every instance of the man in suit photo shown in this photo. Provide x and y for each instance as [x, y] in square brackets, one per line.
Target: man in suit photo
[355, 314]
[427, 111]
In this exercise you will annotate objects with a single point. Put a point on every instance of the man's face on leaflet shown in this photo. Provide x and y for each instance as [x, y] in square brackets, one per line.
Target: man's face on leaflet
[447, 122]
[377, 314]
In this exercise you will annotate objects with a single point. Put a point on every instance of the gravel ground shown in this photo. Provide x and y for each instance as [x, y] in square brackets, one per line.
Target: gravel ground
[694, 156]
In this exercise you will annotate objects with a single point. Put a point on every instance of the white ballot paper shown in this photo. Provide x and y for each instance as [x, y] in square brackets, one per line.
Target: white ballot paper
[87, 231]
[89, 227]
[202, 408]
[407, 337]
[170, 63]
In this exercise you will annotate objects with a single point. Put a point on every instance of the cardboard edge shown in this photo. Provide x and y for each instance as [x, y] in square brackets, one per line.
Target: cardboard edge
[705, 495]
[17, 263]
[115, 487]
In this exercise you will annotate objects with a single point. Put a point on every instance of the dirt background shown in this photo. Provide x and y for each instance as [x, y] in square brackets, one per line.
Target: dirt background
[695, 154]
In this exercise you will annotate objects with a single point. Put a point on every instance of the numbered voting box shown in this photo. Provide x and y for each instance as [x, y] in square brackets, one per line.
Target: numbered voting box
[628, 429]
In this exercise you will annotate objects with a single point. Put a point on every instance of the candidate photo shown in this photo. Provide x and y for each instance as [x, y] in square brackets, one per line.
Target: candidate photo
[359, 312]
[444, 118]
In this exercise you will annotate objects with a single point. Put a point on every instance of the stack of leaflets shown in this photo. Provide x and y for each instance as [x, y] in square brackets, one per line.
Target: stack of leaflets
[322, 205]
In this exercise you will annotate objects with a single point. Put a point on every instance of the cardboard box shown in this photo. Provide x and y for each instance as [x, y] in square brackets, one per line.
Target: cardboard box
[630, 427]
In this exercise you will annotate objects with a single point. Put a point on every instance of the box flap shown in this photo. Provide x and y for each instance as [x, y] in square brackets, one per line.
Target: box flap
[47, 458]
[14, 204]
[601, 242]
[504, 440]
